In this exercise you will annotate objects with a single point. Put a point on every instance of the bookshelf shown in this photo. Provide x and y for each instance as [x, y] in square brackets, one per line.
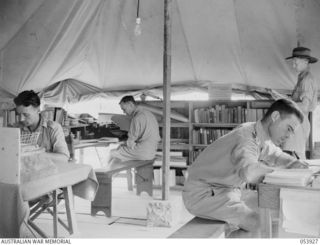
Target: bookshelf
[57, 114]
[211, 120]
[207, 121]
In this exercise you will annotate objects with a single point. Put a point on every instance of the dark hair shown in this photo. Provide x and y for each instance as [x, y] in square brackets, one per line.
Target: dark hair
[284, 107]
[127, 99]
[26, 98]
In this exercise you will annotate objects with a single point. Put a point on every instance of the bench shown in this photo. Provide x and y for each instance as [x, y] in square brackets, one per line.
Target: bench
[201, 228]
[143, 177]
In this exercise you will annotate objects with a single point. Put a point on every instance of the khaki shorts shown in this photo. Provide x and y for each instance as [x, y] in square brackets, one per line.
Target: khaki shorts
[219, 203]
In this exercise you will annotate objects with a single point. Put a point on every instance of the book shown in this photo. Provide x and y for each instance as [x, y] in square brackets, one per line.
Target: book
[289, 177]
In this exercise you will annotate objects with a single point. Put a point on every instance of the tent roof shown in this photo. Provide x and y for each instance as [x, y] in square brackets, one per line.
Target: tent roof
[93, 41]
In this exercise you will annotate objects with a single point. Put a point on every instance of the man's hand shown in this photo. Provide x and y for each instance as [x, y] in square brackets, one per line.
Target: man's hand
[298, 164]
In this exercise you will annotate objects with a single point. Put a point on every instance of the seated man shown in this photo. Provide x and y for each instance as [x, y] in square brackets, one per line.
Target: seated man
[213, 187]
[51, 134]
[143, 134]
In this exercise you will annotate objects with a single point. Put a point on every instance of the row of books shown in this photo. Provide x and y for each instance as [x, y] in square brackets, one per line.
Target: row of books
[196, 152]
[55, 114]
[177, 133]
[176, 159]
[224, 114]
[207, 136]
[10, 117]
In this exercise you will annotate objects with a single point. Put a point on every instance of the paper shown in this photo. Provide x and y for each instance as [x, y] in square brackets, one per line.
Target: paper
[300, 211]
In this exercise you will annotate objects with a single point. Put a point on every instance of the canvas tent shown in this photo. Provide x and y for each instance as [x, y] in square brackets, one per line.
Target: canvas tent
[92, 46]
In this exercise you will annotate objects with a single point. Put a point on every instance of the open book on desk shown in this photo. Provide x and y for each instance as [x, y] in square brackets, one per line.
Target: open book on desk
[289, 177]
[294, 177]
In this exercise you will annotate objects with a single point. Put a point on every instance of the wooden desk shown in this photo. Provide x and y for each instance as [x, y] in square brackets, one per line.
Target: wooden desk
[268, 200]
[94, 143]
[72, 178]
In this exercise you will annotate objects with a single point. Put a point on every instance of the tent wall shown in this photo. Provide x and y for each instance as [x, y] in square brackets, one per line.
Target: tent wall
[93, 41]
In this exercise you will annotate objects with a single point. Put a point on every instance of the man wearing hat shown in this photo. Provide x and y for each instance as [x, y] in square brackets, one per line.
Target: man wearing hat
[305, 94]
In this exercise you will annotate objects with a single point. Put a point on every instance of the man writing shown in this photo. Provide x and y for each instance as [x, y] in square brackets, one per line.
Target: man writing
[51, 134]
[51, 137]
[213, 187]
[143, 134]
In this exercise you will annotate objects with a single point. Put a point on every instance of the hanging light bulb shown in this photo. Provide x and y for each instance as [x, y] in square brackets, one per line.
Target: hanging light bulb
[137, 28]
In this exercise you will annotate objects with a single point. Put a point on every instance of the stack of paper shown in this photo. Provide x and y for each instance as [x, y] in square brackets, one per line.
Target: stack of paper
[289, 177]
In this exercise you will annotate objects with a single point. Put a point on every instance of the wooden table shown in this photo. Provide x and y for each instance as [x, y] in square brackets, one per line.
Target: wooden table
[71, 178]
[104, 142]
[268, 200]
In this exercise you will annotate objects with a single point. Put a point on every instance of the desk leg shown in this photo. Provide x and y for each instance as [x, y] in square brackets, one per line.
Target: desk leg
[129, 179]
[81, 150]
[55, 215]
[265, 222]
[72, 223]
[103, 199]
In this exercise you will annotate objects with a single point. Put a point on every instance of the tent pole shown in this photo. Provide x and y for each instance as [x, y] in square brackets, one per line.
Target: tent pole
[166, 96]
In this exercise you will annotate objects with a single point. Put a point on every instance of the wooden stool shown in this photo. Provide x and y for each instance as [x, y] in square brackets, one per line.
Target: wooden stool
[143, 176]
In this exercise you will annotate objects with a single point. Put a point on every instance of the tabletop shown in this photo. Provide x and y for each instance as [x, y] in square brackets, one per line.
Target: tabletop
[14, 198]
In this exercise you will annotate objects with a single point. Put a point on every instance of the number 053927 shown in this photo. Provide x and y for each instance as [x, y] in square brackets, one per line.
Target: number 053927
[309, 241]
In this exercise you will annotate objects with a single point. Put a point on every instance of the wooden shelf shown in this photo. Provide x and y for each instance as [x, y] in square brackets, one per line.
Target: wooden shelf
[215, 125]
[176, 125]
[176, 146]
[199, 145]
[172, 166]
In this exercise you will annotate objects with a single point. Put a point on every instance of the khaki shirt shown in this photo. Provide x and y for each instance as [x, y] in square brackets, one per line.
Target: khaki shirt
[51, 136]
[244, 155]
[143, 137]
[306, 87]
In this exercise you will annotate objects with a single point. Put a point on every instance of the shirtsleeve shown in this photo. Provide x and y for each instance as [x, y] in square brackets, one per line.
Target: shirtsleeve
[255, 159]
[246, 155]
[307, 89]
[59, 144]
[134, 133]
[273, 156]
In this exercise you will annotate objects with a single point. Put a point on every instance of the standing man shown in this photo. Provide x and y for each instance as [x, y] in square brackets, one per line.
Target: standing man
[213, 187]
[51, 134]
[305, 94]
[143, 134]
